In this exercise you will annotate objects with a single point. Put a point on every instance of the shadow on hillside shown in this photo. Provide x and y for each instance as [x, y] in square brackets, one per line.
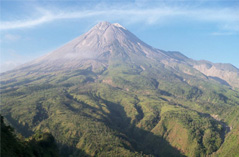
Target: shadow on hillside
[225, 128]
[23, 129]
[220, 80]
[141, 140]
[65, 150]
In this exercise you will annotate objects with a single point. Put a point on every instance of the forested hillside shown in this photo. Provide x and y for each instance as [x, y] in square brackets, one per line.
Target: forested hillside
[40, 144]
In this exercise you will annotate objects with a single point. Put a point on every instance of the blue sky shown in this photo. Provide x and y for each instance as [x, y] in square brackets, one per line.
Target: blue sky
[200, 29]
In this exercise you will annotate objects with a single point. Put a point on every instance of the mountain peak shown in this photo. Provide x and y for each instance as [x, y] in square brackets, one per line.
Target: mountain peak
[102, 25]
[118, 25]
[101, 43]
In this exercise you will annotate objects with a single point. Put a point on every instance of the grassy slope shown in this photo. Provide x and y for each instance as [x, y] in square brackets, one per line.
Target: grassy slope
[125, 111]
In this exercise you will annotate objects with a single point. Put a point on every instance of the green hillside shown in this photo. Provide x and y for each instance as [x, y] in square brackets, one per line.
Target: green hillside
[124, 114]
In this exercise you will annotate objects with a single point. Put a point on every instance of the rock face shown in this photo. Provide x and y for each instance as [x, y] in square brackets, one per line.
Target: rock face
[227, 74]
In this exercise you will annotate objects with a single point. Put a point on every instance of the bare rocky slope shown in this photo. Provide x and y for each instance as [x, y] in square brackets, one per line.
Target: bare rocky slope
[227, 74]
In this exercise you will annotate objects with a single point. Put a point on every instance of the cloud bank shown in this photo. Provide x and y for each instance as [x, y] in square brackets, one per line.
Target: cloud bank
[225, 18]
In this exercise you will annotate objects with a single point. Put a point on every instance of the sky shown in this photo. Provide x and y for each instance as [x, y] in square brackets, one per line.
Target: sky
[199, 29]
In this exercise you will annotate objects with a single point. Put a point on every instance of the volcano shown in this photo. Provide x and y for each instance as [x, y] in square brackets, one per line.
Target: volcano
[106, 42]
[107, 93]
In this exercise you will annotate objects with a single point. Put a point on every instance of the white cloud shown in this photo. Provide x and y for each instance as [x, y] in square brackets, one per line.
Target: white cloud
[24, 23]
[8, 65]
[231, 27]
[10, 59]
[11, 37]
[222, 33]
[225, 18]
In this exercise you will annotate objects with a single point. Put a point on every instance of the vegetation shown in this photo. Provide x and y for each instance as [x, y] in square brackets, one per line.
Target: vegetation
[122, 110]
[40, 144]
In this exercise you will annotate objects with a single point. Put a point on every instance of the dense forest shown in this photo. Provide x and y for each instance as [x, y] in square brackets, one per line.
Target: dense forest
[38, 145]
